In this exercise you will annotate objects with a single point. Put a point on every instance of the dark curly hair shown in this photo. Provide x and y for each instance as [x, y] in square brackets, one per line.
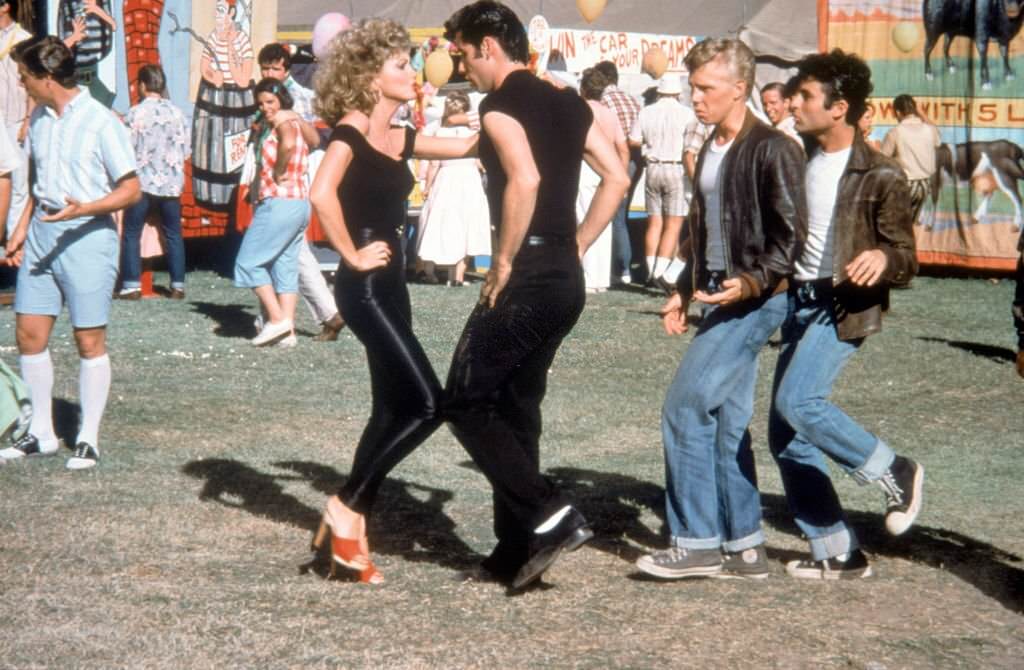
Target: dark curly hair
[843, 76]
[490, 19]
[277, 89]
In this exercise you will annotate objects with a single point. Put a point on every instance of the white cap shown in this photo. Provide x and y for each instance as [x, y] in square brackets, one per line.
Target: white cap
[670, 84]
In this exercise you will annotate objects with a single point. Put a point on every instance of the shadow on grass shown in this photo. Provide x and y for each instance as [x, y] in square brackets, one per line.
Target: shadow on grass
[993, 353]
[982, 565]
[613, 503]
[232, 320]
[408, 520]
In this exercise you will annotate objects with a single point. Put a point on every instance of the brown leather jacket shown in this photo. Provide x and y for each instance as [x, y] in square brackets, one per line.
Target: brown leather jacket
[872, 211]
[764, 212]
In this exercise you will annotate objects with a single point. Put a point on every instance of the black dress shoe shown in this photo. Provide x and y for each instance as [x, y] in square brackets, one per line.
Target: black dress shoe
[568, 534]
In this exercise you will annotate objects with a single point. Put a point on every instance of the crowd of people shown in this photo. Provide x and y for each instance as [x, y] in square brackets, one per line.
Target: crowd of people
[802, 226]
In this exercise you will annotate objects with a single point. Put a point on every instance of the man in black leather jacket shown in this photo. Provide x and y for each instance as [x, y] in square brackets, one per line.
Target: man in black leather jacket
[859, 242]
[746, 226]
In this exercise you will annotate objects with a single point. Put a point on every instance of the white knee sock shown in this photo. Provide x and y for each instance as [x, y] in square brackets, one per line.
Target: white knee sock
[660, 265]
[671, 273]
[37, 371]
[93, 388]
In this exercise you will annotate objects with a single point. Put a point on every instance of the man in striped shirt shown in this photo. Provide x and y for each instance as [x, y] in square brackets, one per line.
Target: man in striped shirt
[66, 243]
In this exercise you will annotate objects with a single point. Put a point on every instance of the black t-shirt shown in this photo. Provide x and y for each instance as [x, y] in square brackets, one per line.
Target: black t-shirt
[375, 187]
[556, 122]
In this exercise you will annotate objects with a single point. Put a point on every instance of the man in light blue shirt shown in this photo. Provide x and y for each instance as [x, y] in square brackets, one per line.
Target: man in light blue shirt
[66, 243]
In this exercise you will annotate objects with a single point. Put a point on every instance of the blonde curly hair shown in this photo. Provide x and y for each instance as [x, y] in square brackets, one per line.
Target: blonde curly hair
[343, 82]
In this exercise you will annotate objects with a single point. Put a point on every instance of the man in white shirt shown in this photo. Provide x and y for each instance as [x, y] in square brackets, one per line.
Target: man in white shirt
[66, 243]
[776, 108]
[15, 106]
[859, 242]
[659, 132]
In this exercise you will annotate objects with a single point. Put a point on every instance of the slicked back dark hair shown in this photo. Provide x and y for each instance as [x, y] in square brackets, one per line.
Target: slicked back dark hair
[609, 70]
[274, 52]
[483, 19]
[46, 56]
[843, 76]
[152, 77]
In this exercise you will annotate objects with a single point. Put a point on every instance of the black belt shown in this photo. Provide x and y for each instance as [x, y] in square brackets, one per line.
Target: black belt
[550, 240]
[657, 162]
[811, 291]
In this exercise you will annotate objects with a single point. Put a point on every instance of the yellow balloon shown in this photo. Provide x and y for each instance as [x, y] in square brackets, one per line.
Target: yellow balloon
[591, 9]
[906, 35]
[438, 68]
[655, 62]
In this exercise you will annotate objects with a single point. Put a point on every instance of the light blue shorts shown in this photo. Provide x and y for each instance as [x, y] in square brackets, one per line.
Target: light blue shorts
[69, 262]
[270, 249]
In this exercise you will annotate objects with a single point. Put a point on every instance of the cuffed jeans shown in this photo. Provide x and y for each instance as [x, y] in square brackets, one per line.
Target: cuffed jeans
[170, 224]
[804, 426]
[711, 491]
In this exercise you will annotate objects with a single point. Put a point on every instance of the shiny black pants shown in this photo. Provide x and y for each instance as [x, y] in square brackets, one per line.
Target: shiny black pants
[497, 381]
[405, 390]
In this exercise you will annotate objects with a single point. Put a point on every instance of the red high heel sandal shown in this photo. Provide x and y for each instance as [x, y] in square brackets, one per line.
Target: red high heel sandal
[346, 552]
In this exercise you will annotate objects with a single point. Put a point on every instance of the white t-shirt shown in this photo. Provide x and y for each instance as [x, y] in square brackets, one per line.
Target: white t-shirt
[710, 187]
[822, 183]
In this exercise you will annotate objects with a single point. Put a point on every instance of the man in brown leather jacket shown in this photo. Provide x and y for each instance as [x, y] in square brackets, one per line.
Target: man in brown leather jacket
[859, 242]
[746, 226]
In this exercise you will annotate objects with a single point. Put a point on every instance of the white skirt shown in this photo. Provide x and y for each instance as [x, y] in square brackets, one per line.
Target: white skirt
[597, 262]
[455, 221]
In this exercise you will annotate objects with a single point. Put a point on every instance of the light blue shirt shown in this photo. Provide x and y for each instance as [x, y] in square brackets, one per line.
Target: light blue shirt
[81, 154]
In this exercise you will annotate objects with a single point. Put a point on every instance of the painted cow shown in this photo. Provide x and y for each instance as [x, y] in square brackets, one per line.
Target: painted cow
[1001, 159]
[979, 20]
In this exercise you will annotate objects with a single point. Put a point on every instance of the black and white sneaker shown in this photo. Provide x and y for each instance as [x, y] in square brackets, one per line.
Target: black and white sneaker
[85, 456]
[855, 566]
[678, 563]
[750, 563]
[27, 446]
[903, 484]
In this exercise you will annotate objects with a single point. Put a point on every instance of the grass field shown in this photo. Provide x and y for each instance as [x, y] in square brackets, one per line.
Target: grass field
[186, 547]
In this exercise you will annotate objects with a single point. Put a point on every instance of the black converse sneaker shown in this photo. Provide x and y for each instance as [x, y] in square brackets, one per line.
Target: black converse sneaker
[85, 456]
[750, 563]
[28, 445]
[902, 483]
[855, 566]
[677, 563]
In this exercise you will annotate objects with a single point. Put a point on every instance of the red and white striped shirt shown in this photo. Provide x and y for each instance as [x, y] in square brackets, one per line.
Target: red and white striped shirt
[293, 182]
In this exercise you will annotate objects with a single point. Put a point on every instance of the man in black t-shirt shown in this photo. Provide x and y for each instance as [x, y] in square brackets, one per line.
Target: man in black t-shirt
[533, 139]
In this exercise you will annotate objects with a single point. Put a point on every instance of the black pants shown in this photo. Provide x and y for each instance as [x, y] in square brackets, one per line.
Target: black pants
[497, 381]
[405, 390]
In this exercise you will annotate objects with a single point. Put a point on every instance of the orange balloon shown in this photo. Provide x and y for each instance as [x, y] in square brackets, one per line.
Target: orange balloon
[591, 9]
[655, 62]
[438, 68]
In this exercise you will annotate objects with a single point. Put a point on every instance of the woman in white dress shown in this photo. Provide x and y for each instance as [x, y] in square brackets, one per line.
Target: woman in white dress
[455, 219]
[597, 262]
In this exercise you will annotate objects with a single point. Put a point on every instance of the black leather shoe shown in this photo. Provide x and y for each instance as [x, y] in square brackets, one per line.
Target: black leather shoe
[569, 534]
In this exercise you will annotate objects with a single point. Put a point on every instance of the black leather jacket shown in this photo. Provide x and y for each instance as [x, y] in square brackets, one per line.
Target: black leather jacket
[872, 211]
[764, 212]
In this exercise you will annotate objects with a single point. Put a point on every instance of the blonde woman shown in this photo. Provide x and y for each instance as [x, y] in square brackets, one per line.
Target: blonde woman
[359, 195]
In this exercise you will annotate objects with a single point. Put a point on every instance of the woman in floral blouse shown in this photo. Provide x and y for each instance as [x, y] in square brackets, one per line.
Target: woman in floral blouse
[160, 136]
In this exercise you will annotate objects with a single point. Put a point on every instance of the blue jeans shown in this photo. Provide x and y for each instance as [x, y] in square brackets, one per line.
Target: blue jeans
[622, 246]
[711, 482]
[170, 224]
[804, 426]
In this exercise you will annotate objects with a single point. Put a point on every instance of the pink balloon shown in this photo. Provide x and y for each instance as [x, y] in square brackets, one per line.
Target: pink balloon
[326, 29]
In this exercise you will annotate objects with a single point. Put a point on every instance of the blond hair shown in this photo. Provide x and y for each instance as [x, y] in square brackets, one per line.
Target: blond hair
[343, 82]
[734, 53]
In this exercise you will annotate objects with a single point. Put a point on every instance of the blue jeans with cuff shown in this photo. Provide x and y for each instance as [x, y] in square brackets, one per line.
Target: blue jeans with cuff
[805, 426]
[712, 500]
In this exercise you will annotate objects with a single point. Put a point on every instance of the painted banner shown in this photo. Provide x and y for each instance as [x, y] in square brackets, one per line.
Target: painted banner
[957, 59]
[582, 48]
